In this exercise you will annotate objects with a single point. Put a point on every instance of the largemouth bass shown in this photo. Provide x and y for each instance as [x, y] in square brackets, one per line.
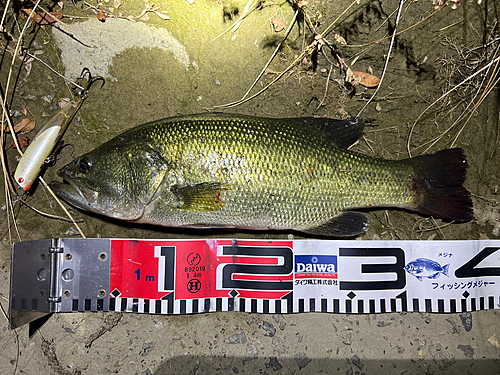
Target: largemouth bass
[221, 170]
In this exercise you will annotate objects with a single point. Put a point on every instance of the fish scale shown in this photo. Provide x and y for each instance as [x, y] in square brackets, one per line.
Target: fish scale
[265, 193]
[220, 170]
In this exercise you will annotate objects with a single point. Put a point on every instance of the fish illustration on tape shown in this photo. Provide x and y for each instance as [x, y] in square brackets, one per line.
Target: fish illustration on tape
[423, 267]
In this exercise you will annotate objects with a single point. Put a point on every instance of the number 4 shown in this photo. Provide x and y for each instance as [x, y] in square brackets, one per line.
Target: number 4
[468, 270]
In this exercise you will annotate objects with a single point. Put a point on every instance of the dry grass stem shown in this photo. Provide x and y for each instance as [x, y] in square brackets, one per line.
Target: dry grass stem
[494, 61]
[387, 59]
[62, 206]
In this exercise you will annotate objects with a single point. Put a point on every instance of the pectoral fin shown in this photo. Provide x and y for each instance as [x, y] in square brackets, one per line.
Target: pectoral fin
[349, 224]
[204, 197]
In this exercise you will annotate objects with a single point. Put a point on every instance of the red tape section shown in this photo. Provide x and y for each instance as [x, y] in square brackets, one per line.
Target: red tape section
[149, 269]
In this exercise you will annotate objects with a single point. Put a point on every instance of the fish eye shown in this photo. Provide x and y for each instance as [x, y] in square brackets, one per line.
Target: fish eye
[85, 164]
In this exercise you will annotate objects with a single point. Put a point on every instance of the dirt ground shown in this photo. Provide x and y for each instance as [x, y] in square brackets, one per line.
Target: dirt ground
[145, 82]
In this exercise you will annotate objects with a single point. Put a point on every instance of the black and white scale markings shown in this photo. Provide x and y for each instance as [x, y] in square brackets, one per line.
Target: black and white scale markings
[74, 275]
[287, 305]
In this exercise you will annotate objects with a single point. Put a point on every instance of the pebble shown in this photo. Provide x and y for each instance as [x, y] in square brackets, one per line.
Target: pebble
[71, 232]
[347, 339]
[421, 354]
[237, 338]
[356, 361]
[467, 350]
[494, 341]
[269, 328]
[274, 364]
[441, 356]
[252, 352]
[302, 360]
[466, 320]
[15, 114]
[48, 98]
[147, 347]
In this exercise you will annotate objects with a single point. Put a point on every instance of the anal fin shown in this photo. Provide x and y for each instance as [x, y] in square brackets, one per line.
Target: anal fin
[349, 224]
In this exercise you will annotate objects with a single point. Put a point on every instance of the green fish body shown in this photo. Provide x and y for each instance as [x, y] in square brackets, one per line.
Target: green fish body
[219, 170]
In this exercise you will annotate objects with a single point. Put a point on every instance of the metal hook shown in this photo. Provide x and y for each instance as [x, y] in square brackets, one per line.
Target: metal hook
[51, 160]
[90, 81]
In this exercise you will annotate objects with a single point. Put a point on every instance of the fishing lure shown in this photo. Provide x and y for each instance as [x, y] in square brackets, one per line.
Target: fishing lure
[40, 151]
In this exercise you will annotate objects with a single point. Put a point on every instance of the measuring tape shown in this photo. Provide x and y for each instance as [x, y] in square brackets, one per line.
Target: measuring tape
[257, 276]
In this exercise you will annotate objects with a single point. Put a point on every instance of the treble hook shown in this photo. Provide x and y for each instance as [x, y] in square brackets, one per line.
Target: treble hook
[90, 81]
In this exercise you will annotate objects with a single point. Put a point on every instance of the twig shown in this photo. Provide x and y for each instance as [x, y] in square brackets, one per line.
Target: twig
[234, 27]
[5, 115]
[49, 215]
[265, 67]
[438, 227]
[16, 52]
[62, 206]
[4, 15]
[326, 87]
[54, 71]
[444, 95]
[238, 102]
[299, 58]
[400, 32]
[56, 19]
[273, 55]
[388, 57]
[488, 88]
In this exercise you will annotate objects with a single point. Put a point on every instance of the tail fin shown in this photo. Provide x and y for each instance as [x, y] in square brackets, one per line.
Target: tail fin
[446, 269]
[437, 185]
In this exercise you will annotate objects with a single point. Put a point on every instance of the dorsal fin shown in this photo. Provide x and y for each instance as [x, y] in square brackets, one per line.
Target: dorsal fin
[343, 133]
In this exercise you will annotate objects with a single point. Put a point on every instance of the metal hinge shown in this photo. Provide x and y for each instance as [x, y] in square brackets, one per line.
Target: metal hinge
[58, 275]
[55, 253]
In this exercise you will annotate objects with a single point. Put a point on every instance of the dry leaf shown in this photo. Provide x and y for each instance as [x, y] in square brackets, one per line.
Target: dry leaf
[101, 16]
[340, 40]
[367, 80]
[61, 4]
[23, 142]
[24, 126]
[26, 13]
[162, 14]
[47, 18]
[63, 102]
[349, 75]
[117, 3]
[278, 24]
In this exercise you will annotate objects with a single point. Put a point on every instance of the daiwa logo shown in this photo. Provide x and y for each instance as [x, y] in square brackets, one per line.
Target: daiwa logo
[315, 267]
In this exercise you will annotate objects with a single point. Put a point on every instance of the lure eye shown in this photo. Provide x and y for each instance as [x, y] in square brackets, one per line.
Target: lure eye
[85, 164]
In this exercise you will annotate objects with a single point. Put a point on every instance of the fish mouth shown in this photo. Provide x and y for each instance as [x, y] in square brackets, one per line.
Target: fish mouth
[70, 192]
[83, 194]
